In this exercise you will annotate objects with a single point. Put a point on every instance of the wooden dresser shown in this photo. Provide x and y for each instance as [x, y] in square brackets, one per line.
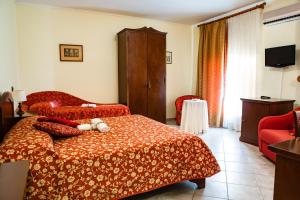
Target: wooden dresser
[254, 109]
[142, 71]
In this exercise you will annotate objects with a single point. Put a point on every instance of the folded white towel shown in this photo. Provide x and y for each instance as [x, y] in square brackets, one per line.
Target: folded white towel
[96, 121]
[84, 127]
[102, 127]
[94, 126]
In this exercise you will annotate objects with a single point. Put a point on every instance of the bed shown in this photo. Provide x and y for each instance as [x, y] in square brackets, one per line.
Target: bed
[60, 104]
[136, 156]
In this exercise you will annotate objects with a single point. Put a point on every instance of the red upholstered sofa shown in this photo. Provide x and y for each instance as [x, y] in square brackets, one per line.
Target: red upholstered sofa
[275, 129]
[178, 105]
[63, 105]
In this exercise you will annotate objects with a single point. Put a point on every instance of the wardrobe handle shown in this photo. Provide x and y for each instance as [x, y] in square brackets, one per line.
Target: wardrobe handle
[149, 84]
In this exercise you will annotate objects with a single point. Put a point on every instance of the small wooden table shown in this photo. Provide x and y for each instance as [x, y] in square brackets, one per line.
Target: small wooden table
[254, 109]
[13, 178]
[287, 173]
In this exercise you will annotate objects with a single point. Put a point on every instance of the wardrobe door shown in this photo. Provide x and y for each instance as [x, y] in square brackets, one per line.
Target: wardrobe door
[137, 72]
[157, 75]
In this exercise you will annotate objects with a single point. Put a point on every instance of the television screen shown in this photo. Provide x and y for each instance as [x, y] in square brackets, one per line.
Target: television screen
[280, 56]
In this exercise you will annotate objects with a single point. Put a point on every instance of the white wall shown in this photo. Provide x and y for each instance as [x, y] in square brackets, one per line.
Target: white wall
[269, 79]
[281, 83]
[8, 45]
[42, 28]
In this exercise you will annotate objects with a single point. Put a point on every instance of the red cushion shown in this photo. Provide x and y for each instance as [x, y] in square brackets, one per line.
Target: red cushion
[43, 106]
[59, 121]
[57, 129]
[271, 136]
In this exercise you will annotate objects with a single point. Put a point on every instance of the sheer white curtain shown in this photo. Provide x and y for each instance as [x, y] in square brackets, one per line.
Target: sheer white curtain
[244, 43]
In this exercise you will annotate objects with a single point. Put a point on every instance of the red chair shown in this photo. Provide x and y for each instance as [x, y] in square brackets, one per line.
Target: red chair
[178, 105]
[275, 129]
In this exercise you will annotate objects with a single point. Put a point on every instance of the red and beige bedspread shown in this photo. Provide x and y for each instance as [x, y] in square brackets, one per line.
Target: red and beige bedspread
[78, 112]
[137, 155]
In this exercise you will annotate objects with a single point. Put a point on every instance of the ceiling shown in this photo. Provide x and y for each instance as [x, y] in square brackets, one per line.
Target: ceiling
[180, 11]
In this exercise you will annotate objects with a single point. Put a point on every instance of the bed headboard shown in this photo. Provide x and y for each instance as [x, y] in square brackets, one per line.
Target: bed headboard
[6, 113]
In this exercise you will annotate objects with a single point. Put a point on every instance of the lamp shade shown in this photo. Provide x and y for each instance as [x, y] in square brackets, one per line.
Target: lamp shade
[19, 95]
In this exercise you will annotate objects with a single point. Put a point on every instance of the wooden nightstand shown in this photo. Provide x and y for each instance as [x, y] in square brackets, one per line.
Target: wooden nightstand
[13, 178]
[8, 118]
[16, 118]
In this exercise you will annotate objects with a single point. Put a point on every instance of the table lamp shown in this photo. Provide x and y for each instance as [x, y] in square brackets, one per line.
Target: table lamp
[19, 96]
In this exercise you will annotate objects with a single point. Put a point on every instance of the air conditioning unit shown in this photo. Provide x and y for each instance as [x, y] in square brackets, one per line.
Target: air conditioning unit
[285, 14]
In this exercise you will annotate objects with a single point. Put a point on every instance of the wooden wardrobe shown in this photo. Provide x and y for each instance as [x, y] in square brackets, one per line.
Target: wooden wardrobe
[142, 71]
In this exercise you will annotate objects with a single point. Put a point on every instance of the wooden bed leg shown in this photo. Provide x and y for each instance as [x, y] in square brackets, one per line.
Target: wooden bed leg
[200, 183]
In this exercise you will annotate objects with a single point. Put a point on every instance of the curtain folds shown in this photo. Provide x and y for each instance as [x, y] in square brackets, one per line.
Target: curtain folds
[212, 68]
[244, 40]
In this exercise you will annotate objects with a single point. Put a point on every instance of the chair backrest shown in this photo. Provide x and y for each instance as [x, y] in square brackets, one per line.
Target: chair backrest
[297, 122]
[62, 98]
[179, 100]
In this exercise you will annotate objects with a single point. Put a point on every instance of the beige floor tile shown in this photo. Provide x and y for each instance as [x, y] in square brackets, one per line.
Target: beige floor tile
[239, 167]
[265, 170]
[222, 165]
[241, 192]
[233, 150]
[241, 178]
[267, 193]
[219, 156]
[220, 177]
[265, 181]
[236, 158]
[206, 198]
[213, 189]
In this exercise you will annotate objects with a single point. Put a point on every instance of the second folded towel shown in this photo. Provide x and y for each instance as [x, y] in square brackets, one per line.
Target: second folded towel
[96, 124]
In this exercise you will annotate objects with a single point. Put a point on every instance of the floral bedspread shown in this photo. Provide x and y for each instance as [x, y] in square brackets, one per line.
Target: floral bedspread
[136, 156]
[78, 112]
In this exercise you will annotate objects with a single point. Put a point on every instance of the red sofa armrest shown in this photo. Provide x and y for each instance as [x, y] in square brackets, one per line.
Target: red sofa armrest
[282, 122]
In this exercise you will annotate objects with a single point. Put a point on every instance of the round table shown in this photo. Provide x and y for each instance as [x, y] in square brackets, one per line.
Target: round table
[194, 117]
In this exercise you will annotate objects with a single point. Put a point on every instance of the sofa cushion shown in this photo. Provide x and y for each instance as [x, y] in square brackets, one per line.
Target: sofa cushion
[271, 136]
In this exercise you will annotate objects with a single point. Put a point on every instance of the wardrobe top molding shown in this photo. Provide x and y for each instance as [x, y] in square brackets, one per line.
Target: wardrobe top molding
[150, 29]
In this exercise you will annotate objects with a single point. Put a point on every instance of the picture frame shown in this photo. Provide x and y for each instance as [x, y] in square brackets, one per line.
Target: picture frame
[71, 53]
[169, 57]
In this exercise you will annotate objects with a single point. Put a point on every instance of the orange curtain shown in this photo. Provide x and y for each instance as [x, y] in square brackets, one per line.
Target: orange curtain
[212, 67]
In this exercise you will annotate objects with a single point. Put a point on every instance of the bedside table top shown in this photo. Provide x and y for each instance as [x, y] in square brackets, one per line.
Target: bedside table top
[13, 178]
[290, 148]
[26, 114]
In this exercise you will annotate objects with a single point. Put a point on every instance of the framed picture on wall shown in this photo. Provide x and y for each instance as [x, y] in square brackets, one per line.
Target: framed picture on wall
[71, 52]
[169, 57]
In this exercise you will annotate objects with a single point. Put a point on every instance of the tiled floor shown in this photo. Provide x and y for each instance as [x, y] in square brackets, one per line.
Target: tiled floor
[245, 174]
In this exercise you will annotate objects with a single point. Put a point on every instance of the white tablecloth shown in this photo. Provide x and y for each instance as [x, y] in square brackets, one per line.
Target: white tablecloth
[194, 117]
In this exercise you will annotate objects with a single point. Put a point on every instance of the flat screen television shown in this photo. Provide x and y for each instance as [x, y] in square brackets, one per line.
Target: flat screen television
[280, 56]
